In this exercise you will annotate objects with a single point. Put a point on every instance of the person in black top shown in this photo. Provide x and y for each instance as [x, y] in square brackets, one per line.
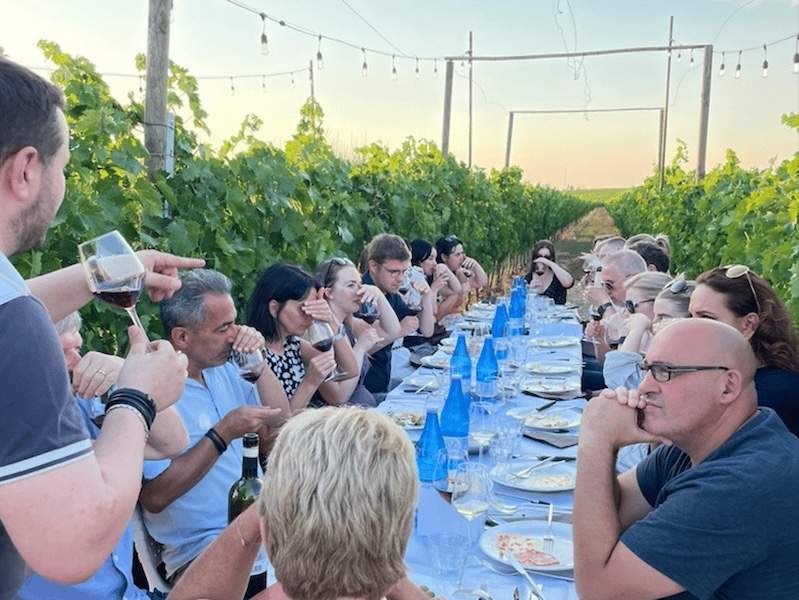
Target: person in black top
[546, 276]
[388, 259]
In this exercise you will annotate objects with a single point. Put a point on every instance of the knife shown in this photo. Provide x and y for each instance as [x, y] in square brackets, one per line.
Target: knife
[516, 594]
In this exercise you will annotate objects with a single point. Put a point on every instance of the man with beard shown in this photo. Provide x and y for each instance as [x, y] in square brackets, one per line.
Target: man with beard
[712, 513]
[63, 503]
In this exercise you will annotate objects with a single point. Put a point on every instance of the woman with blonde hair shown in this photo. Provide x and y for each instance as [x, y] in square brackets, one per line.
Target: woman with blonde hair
[336, 512]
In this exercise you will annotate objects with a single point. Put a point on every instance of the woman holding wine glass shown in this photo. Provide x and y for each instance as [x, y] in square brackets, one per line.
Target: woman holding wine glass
[367, 318]
[545, 276]
[438, 276]
[470, 274]
[284, 306]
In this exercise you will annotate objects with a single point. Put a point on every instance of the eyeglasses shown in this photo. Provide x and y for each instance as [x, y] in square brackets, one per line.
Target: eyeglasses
[736, 271]
[663, 373]
[392, 272]
[676, 286]
[608, 286]
[632, 306]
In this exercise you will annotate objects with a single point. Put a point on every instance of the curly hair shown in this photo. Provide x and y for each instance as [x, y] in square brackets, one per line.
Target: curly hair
[775, 341]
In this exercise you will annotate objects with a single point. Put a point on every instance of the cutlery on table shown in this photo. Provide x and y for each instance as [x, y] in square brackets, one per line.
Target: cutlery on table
[514, 562]
[549, 539]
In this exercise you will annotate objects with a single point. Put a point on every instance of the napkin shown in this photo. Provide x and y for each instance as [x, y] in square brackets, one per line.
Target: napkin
[559, 440]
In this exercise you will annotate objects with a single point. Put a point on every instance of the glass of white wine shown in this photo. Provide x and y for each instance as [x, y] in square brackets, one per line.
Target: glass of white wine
[471, 489]
[481, 425]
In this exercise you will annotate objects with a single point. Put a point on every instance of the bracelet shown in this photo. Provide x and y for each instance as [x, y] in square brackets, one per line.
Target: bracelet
[134, 411]
[241, 537]
[136, 399]
[217, 440]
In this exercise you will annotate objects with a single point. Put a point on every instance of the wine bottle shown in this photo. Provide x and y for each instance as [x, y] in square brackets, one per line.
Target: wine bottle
[245, 491]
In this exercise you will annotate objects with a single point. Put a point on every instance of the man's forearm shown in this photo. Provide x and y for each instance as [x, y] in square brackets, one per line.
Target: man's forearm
[62, 292]
[168, 435]
[182, 474]
[596, 516]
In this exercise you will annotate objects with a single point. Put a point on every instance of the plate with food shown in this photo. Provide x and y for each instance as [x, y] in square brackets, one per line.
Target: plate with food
[543, 386]
[525, 542]
[554, 420]
[439, 360]
[407, 419]
[558, 368]
[557, 476]
[422, 382]
[555, 342]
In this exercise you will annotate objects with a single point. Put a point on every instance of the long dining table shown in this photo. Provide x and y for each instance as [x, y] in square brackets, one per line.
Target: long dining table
[529, 508]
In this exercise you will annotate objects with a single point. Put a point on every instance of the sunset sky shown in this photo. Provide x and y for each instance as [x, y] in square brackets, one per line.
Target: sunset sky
[214, 37]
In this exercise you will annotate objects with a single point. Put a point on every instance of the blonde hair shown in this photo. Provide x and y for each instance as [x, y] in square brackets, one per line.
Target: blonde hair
[649, 282]
[69, 324]
[338, 500]
[680, 300]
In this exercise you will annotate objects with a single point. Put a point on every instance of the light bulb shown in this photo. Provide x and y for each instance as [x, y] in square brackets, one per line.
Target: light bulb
[679, 55]
[796, 63]
[263, 83]
[364, 69]
[292, 80]
[765, 68]
[320, 64]
[435, 66]
[232, 88]
[394, 75]
[264, 45]
[738, 71]
[722, 68]
[417, 68]
[691, 61]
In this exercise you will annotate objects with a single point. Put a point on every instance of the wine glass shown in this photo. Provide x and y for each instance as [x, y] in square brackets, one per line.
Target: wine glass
[321, 336]
[481, 425]
[471, 492]
[413, 297]
[114, 272]
[249, 364]
[367, 311]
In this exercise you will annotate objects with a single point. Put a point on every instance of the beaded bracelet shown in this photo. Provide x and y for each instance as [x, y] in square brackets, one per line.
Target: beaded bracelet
[217, 440]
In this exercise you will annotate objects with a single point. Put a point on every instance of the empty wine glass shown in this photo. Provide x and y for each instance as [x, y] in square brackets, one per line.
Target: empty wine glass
[481, 425]
[114, 272]
[249, 364]
[321, 336]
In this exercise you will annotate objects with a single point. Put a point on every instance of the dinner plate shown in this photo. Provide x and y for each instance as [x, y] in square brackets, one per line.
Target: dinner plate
[555, 342]
[553, 420]
[539, 385]
[417, 381]
[560, 477]
[448, 342]
[541, 368]
[407, 419]
[532, 533]
[435, 361]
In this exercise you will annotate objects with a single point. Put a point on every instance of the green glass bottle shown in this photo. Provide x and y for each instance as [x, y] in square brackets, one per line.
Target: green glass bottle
[245, 491]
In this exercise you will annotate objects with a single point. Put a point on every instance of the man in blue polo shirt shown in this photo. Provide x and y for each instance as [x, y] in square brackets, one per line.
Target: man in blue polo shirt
[388, 259]
[713, 513]
[185, 499]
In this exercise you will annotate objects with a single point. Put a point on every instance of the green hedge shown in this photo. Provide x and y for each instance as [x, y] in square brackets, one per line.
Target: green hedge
[248, 203]
[733, 215]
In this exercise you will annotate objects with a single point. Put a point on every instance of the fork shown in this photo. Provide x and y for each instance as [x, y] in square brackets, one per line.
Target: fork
[514, 562]
[525, 473]
[549, 539]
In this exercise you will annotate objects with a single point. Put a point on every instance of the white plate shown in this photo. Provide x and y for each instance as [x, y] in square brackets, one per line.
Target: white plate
[533, 530]
[550, 386]
[483, 306]
[448, 342]
[428, 382]
[435, 361]
[567, 418]
[558, 478]
[550, 368]
[555, 342]
[407, 419]
[469, 324]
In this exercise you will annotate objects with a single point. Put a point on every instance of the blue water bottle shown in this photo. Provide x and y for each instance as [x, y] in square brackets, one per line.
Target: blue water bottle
[487, 373]
[455, 419]
[498, 330]
[461, 363]
[429, 449]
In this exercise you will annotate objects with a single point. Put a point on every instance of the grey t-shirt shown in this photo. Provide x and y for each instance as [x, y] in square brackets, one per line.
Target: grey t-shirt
[41, 428]
[726, 528]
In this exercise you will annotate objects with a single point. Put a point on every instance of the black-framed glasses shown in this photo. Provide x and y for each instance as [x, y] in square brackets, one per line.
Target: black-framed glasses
[676, 286]
[392, 272]
[633, 306]
[662, 372]
[736, 271]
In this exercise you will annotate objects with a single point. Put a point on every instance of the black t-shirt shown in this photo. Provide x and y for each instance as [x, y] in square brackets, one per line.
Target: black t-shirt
[379, 375]
[779, 390]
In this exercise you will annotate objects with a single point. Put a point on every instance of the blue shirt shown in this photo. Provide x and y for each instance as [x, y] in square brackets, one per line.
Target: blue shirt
[114, 579]
[195, 519]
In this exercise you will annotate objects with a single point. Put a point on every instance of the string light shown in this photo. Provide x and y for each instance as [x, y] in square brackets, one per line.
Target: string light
[796, 56]
[394, 75]
[319, 62]
[691, 61]
[417, 68]
[435, 67]
[679, 55]
[263, 83]
[292, 80]
[141, 84]
[738, 66]
[364, 68]
[765, 61]
[264, 40]
[722, 68]
[232, 88]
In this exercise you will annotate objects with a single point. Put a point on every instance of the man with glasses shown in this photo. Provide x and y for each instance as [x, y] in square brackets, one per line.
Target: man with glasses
[712, 513]
[388, 259]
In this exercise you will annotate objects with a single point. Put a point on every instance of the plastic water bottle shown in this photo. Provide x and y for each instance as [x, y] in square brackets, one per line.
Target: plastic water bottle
[487, 373]
[429, 449]
[461, 363]
[455, 419]
[516, 313]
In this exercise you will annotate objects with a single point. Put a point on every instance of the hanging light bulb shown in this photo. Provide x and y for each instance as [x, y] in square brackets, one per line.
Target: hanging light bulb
[141, 84]
[679, 55]
[738, 66]
[394, 75]
[435, 67]
[319, 62]
[722, 68]
[292, 79]
[417, 68]
[232, 88]
[263, 83]
[796, 56]
[364, 68]
[765, 61]
[264, 40]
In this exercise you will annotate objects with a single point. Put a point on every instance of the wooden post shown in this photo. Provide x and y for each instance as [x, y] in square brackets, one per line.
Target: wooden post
[704, 112]
[157, 73]
[510, 135]
[660, 148]
[665, 121]
[447, 109]
[471, 66]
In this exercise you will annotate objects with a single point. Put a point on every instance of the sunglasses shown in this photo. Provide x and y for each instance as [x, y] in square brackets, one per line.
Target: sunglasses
[632, 306]
[736, 271]
[676, 286]
[663, 373]
[338, 261]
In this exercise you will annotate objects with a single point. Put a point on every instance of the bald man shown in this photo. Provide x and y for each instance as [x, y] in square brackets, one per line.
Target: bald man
[712, 513]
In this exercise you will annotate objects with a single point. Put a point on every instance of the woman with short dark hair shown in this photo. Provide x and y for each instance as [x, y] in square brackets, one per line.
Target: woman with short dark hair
[546, 277]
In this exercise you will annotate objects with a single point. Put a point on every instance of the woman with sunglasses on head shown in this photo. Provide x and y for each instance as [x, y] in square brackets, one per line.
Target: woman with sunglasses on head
[546, 277]
[376, 321]
[283, 305]
[738, 296]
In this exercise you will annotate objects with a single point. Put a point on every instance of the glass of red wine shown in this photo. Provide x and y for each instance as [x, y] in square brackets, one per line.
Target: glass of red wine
[321, 336]
[114, 272]
[249, 364]
[367, 311]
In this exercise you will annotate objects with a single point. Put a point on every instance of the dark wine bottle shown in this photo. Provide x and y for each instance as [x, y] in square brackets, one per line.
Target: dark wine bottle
[245, 491]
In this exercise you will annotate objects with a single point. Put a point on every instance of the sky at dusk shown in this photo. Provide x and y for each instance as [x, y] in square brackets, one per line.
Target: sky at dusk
[214, 37]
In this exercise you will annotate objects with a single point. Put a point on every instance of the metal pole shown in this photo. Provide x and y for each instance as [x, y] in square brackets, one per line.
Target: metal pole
[447, 109]
[581, 54]
[157, 74]
[665, 121]
[310, 76]
[660, 148]
[510, 135]
[471, 66]
[704, 112]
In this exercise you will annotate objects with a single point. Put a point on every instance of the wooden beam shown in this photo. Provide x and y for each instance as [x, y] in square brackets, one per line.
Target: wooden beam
[157, 75]
[704, 112]
[447, 109]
